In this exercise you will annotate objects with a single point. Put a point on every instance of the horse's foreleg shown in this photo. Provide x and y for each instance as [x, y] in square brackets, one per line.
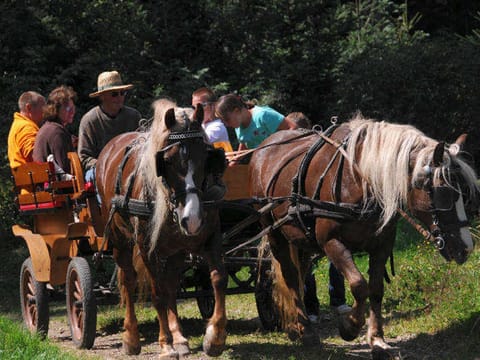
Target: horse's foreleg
[350, 323]
[161, 281]
[377, 261]
[375, 323]
[180, 343]
[216, 334]
[128, 280]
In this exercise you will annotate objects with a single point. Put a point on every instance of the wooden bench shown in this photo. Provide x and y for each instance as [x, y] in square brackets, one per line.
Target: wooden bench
[38, 189]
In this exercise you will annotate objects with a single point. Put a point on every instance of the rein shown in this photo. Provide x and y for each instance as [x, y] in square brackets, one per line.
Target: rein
[238, 155]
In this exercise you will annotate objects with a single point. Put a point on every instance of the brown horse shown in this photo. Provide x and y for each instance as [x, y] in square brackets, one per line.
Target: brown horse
[152, 185]
[345, 188]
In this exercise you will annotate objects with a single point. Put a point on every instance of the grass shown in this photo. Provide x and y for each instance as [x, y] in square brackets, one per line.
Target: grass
[433, 305]
[18, 343]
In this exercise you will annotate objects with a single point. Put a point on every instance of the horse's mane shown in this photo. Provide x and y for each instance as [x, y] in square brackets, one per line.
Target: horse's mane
[156, 140]
[391, 160]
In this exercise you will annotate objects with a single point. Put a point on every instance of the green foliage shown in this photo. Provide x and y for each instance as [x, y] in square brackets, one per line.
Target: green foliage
[431, 85]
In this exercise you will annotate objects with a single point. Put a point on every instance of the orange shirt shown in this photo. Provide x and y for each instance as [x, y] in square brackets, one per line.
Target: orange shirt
[225, 145]
[21, 140]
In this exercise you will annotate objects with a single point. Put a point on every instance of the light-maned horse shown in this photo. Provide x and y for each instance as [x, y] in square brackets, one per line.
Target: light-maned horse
[151, 185]
[345, 188]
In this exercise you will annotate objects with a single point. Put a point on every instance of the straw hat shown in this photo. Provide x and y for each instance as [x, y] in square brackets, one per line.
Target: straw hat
[108, 81]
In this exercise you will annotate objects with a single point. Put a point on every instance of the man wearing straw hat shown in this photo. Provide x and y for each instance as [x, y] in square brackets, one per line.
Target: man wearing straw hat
[105, 121]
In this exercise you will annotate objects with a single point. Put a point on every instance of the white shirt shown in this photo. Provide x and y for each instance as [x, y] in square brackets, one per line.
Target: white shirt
[216, 131]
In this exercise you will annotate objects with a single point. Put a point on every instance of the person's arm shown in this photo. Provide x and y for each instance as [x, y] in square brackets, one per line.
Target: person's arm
[61, 145]
[26, 142]
[242, 146]
[86, 146]
[287, 124]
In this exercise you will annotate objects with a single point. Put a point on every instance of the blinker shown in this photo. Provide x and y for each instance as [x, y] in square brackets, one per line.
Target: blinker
[444, 198]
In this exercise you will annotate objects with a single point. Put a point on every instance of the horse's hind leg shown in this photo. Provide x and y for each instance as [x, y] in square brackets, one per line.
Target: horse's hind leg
[216, 334]
[131, 338]
[350, 323]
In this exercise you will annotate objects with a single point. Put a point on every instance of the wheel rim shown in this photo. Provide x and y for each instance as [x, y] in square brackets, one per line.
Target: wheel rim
[75, 303]
[29, 300]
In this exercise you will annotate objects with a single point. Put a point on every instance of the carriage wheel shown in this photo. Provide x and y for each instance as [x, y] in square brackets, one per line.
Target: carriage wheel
[206, 304]
[34, 300]
[267, 310]
[81, 304]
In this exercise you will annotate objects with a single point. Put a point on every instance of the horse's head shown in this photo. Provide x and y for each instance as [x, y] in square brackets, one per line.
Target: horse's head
[445, 199]
[184, 161]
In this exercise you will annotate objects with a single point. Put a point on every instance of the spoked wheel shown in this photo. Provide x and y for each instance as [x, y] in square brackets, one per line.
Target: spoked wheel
[34, 300]
[81, 304]
[206, 304]
[267, 310]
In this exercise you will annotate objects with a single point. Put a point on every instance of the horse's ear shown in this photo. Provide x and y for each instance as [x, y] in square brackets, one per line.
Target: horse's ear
[438, 154]
[461, 140]
[199, 113]
[456, 147]
[170, 119]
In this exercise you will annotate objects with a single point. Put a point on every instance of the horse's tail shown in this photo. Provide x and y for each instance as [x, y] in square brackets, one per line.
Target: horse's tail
[283, 300]
[285, 304]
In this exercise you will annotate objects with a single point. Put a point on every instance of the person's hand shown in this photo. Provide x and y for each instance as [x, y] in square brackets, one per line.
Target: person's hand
[75, 141]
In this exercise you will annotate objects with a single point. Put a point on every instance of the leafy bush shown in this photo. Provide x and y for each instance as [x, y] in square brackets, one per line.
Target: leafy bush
[431, 85]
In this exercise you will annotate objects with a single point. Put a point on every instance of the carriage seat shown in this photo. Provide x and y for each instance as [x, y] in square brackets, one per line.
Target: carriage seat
[38, 189]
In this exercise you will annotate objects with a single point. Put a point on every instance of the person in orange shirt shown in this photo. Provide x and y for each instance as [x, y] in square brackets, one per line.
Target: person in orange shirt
[26, 122]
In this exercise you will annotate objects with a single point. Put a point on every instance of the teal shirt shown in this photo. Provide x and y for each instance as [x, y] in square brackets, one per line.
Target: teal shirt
[265, 121]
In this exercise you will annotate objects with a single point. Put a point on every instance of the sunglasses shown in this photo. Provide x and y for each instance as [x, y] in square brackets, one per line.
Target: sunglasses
[121, 93]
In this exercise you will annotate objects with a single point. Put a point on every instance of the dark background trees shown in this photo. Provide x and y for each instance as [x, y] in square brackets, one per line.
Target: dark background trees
[405, 61]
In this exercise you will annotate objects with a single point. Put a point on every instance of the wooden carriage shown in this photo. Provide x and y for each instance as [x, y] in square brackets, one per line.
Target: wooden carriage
[67, 227]
[64, 227]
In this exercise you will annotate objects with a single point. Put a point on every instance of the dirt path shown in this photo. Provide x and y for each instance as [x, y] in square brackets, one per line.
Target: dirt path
[108, 346]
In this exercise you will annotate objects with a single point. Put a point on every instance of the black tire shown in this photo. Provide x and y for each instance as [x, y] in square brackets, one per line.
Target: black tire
[81, 303]
[267, 310]
[206, 304]
[34, 300]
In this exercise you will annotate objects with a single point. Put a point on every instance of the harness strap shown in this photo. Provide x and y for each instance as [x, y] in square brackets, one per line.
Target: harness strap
[298, 185]
[316, 194]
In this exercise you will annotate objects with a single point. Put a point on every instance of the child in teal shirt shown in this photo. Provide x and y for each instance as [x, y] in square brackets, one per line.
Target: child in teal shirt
[252, 123]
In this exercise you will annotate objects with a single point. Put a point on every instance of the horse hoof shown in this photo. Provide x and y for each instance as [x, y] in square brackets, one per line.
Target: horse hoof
[347, 330]
[213, 350]
[167, 352]
[130, 349]
[379, 353]
[182, 348]
[213, 344]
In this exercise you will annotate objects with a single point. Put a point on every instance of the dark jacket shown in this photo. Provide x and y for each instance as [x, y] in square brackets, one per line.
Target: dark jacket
[53, 138]
[97, 129]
